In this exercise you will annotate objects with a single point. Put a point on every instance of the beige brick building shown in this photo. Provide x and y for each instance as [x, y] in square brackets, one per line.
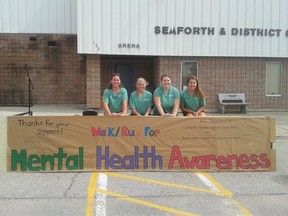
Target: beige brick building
[64, 69]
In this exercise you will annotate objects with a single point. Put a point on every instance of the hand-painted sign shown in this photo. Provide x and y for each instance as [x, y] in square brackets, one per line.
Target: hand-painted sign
[100, 143]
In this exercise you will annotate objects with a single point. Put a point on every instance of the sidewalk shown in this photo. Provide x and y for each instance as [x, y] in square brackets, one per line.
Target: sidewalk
[77, 109]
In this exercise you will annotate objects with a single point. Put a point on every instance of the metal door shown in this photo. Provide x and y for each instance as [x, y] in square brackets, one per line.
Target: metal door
[126, 74]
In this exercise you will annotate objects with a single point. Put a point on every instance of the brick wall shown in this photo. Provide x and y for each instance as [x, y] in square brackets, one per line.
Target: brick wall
[57, 72]
[230, 75]
[93, 81]
[61, 76]
[216, 75]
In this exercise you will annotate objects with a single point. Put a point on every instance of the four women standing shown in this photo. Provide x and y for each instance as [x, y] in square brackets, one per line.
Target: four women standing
[167, 98]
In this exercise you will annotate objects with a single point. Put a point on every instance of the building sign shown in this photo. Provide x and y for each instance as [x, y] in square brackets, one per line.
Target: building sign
[100, 143]
[259, 32]
[128, 45]
[183, 28]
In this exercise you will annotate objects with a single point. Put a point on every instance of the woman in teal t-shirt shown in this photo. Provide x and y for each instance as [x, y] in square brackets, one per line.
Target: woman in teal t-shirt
[192, 99]
[166, 98]
[115, 98]
[140, 101]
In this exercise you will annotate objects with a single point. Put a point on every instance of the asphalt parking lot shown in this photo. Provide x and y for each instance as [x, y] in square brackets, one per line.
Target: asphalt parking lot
[149, 193]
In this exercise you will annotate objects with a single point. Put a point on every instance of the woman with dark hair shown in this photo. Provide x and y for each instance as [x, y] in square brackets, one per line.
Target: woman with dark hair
[115, 98]
[166, 98]
[192, 99]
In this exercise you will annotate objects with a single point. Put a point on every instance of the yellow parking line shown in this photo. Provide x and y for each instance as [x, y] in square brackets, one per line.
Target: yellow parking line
[164, 183]
[91, 194]
[145, 203]
[228, 194]
[93, 188]
[218, 185]
[243, 210]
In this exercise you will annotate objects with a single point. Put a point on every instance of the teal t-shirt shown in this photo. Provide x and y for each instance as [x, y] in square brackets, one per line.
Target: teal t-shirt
[140, 104]
[167, 99]
[115, 101]
[191, 102]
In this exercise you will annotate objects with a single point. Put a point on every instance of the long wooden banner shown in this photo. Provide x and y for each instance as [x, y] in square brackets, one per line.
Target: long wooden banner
[100, 143]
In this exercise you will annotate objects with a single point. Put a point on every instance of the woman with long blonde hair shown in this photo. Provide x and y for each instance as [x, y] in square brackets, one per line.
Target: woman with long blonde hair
[140, 101]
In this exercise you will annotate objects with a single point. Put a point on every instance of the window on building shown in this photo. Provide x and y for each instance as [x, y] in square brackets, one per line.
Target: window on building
[273, 78]
[188, 69]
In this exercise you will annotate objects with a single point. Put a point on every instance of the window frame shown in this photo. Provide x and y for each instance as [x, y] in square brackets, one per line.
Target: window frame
[183, 82]
[280, 80]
